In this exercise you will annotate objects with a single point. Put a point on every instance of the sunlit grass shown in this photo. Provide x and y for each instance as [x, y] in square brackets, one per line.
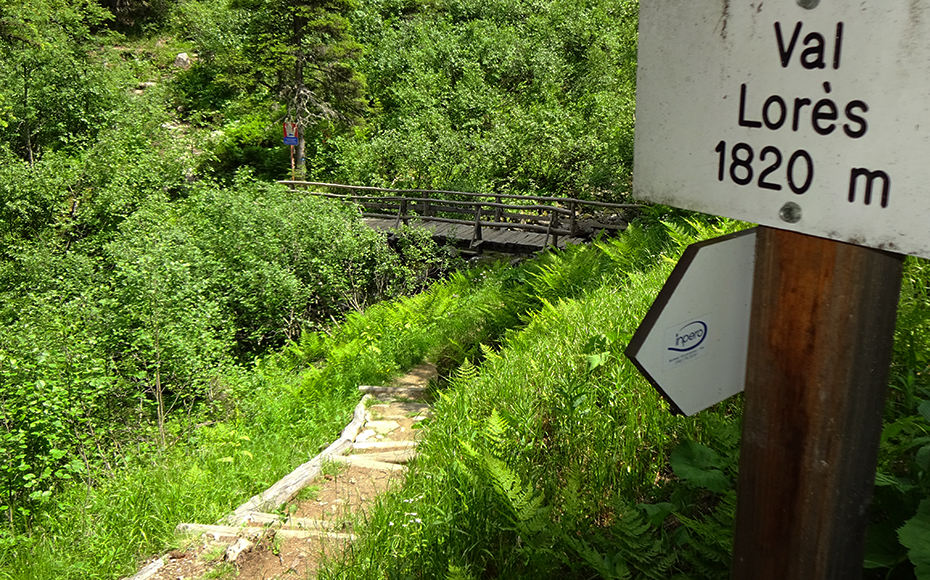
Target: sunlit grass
[587, 439]
[581, 436]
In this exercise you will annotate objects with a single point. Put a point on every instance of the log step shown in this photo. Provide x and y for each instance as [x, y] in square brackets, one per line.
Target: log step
[400, 457]
[360, 461]
[237, 531]
[363, 445]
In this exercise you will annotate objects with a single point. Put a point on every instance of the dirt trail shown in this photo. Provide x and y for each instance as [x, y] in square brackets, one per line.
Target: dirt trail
[292, 541]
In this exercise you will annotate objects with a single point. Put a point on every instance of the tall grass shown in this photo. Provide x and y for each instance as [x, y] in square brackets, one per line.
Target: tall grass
[534, 462]
[110, 521]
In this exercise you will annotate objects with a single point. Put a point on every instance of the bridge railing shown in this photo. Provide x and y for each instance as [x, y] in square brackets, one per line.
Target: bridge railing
[553, 216]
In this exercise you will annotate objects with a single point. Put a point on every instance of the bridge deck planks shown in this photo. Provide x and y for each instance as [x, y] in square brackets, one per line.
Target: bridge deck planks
[492, 239]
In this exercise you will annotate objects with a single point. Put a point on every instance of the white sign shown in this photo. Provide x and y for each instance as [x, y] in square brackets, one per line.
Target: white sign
[290, 133]
[813, 120]
[692, 344]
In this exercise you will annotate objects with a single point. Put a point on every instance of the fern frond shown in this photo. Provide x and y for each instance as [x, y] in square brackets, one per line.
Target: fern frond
[458, 573]
[609, 566]
[488, 352]
[524, 502]
[630, 541]
[495, 430]
[464, 375]
[573, 504]
[548, 305]
[710, 540]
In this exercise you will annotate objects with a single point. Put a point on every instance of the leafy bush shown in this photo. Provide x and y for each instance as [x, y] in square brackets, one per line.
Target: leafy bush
[251, 142]
[897, 534]
[57, 92]
[502, 96]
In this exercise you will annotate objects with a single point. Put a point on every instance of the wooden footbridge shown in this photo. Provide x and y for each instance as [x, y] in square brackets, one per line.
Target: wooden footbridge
[478, 222]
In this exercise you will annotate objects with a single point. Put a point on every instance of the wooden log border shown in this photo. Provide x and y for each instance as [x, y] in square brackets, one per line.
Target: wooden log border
[282, 491]
[286, 488]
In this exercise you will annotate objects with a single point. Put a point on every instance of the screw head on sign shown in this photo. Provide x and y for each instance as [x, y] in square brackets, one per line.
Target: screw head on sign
[808, 4]
[790, 212]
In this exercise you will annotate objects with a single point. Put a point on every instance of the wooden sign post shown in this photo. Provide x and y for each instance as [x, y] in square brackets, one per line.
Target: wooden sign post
[291, 138]
[819, 351]
[800, 115]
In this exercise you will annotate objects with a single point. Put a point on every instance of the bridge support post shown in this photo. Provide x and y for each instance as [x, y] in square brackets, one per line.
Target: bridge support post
[476, 232]
[401, 214]
[427, 206]
[550, 231]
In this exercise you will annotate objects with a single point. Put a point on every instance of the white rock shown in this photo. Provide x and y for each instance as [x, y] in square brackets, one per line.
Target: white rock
[365, 436]
[234, 551]
[182, 61]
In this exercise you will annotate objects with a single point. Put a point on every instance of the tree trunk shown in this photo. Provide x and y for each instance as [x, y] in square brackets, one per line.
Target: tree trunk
[301, 163]
[160, 400]
[28, 128]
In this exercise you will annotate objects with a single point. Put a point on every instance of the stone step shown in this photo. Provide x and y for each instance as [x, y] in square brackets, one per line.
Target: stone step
[396, 392]
[362, 445]
[360, 461]
[400, 456]
[404, 410]
[239, 531]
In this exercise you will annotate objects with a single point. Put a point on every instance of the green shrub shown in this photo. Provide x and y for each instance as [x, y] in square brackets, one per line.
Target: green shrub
[501, 96]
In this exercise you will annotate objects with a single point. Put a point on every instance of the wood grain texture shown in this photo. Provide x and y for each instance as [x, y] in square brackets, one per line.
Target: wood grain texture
[819, 352]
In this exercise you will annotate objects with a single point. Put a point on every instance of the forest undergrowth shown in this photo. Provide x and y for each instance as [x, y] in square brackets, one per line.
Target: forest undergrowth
[549, 456]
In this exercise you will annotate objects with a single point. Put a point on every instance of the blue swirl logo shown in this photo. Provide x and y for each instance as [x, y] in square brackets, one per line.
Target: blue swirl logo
[690, 336]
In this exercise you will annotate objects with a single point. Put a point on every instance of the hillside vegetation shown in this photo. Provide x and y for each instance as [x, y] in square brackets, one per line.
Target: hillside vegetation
[177, 331]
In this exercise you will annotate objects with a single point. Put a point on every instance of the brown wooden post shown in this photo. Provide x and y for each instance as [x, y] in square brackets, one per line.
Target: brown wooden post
[497, 211]
[476, 232]
[823, 316]
[573, 228]
[293, 170]
[554, 224]
[401, 214]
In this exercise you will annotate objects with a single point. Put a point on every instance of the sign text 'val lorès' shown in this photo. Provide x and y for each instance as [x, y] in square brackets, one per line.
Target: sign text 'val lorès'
[810, 119]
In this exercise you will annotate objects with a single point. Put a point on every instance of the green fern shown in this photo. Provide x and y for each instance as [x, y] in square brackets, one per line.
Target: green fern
[525, 504]
[488, 352]
[681, 236]
[637, 539]
[573, 505]
[464, 375]
[458, 573]
[495, 430]
[608, 566]
[565, 274]
[709, 541]
[629, 548]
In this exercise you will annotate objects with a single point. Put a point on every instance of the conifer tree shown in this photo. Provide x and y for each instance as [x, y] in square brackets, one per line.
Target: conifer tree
[303, 53]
